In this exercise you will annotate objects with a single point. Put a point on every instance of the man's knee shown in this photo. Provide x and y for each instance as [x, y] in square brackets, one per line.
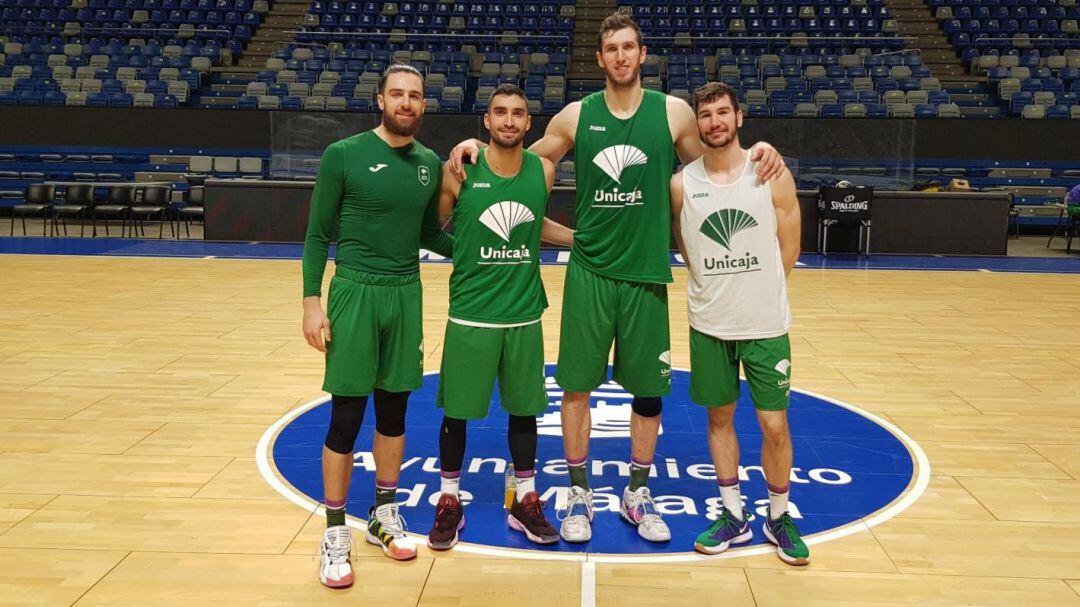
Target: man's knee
[721, 417]
[390, 408]
[774, 426]
[647, 406]
[346, 416]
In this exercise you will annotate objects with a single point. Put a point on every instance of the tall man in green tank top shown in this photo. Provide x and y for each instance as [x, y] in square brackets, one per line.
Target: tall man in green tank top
[380, 189]
[496, 300]
[625, 142]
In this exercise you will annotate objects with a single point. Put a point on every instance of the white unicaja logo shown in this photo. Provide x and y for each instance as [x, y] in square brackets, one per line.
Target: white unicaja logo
[614, 159]
[610, 409]
[503, 217]
[783, 367]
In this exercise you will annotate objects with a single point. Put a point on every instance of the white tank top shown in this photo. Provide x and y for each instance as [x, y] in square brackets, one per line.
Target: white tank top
[736, 287]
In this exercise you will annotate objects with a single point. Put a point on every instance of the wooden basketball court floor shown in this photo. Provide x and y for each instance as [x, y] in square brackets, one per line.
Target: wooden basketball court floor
[133, 392]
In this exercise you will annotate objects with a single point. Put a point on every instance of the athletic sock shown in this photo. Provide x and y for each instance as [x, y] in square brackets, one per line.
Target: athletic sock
[730, 496]
[578, 477]
[525, 483]
[639, 473]
[385, 492]
[335, 513]
[450, 482]
[778, 500]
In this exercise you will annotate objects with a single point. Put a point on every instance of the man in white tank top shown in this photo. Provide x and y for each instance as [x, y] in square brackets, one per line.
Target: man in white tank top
[740, 240]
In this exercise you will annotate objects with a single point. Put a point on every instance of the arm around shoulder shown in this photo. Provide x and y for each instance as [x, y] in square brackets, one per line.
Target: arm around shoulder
[549, 172]
[552, 231]
[676, 185]
[684, 130]
[559, 136]
[448, 193]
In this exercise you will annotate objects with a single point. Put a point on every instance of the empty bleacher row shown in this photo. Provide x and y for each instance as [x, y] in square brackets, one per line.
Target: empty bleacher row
[977, 26]
[765, 24]
[20, 168]
[1034, 86]
[1028, 50]
[808, 86]
[307, 78]
[96, 73]
[228, 22]
[476, 17]
[807, 58]
[107, 184]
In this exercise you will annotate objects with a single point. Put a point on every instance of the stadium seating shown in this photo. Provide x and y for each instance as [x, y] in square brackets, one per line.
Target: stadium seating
[826, 58]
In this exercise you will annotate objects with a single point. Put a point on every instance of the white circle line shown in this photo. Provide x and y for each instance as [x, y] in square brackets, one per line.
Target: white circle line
[912, 493]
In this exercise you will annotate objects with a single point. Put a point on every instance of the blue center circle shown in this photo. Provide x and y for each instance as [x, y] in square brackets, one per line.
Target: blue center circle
[849, 466]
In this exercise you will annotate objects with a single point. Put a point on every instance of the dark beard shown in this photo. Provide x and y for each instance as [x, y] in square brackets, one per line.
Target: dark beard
[731, 139]
[495, 141]
[635, 77]
[399, 129]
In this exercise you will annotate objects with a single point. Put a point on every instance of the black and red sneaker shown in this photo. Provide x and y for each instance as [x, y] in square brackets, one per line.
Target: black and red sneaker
[449, 519]
[527, 516]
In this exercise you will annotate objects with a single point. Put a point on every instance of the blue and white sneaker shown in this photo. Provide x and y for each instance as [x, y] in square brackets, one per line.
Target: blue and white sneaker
[577, 518]
[638, 509]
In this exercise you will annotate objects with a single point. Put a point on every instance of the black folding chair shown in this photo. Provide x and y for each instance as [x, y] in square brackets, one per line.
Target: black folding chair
[193, 211]
[117, 206]
[155, 199]
[78, 199]
[38, 200]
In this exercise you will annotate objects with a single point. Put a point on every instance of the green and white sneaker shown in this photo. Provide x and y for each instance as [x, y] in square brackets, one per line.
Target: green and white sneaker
[386, 529]
[789, 545]
[725, 531]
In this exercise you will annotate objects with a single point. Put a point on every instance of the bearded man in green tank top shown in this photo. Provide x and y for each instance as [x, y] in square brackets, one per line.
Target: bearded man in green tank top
[625, 142]
[380, 189]
[496, 300]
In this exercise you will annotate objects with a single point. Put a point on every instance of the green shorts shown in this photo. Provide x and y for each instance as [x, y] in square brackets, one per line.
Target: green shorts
[714, 370]
[474, 356]
[377, 338]
[597, 310]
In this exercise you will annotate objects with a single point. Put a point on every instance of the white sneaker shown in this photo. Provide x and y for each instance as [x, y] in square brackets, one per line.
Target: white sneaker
[386, 529]
[335, 569]
[577, 518]
[638, 509]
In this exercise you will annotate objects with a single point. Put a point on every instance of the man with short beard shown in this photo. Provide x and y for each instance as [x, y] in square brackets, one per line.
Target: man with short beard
[380, 188]
[496, 300]
[740, 239]
[625, 140]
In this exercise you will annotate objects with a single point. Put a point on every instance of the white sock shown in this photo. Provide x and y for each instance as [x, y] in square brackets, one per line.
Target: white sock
[732, 499]
[450, 485]
[525, 484]
[778, 503]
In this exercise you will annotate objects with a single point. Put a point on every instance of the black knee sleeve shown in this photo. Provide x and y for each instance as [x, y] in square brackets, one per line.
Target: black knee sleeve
[521, 434]
[452, 444]
[346, 415]
[647, 406]
[390, 412]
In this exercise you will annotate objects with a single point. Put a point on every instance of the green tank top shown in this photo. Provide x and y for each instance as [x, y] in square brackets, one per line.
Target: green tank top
[497, 225]
[623, 170]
